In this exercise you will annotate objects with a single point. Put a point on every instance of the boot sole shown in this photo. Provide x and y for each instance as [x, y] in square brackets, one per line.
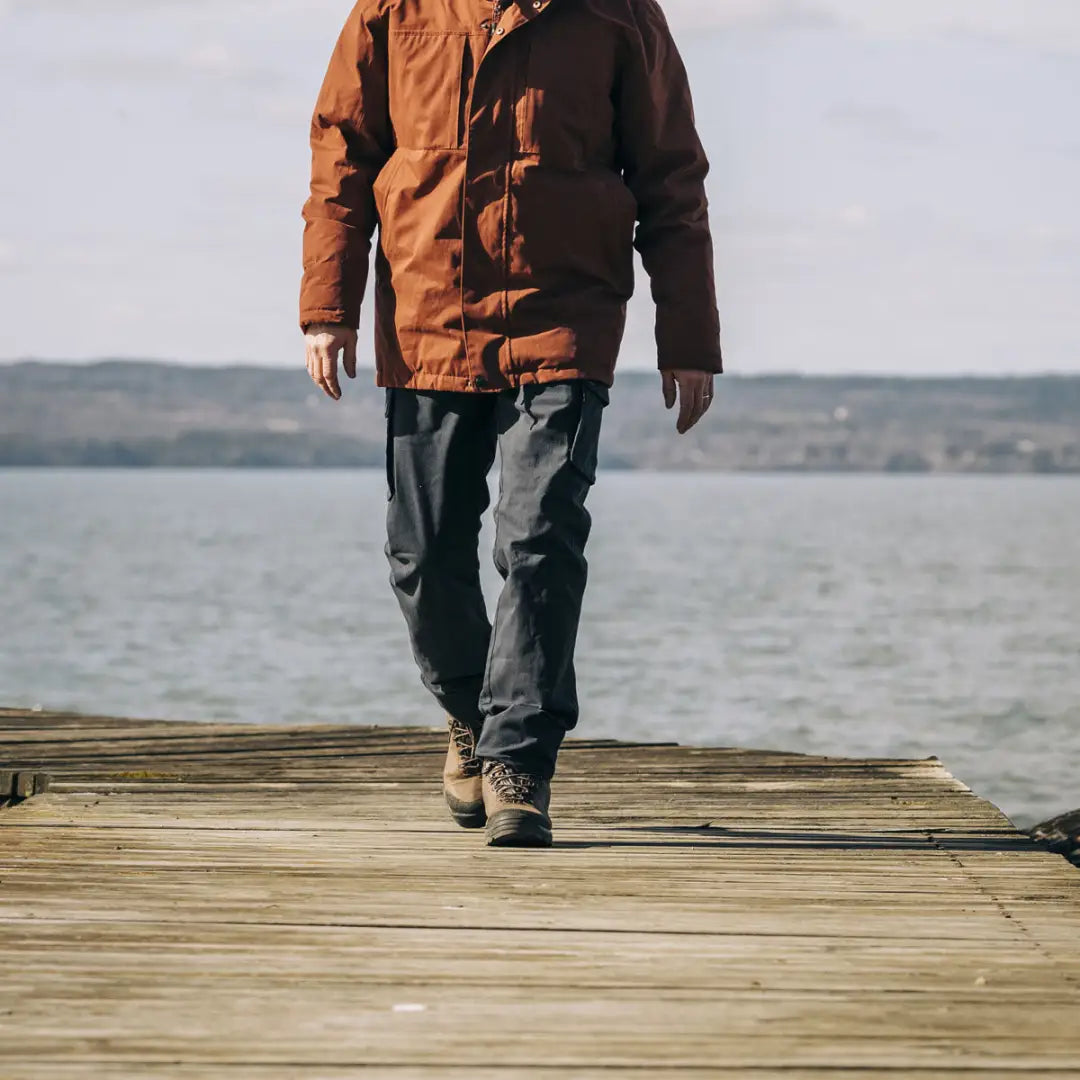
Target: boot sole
[467, 815]
[518, 828]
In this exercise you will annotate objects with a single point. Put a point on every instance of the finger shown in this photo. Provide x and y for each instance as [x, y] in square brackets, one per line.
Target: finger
[698, 408]
[309, 360]
[708, 396]
[318, 366]
[669, 389]
[350, 356]
[697, 402]
[687, 406]
[702, 400]
[329, 370]
[315, 366]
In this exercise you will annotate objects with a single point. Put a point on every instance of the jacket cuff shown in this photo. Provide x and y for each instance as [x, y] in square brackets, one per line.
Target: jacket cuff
[688, 342]
[698, 361]
[333, 316]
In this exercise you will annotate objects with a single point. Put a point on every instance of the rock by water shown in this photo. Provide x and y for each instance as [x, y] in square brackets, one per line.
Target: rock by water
[1061, 835]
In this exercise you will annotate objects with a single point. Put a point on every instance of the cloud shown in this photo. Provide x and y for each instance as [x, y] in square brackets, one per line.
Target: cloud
[708, 14]
[209, 61]
[881, 122]
[1041, 24]
[211, 56]
[1045, 25]
[855, 216]
[92, 8]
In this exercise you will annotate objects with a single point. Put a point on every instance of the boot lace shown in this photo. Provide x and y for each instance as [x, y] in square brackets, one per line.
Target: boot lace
[510, 786]
[464, 740]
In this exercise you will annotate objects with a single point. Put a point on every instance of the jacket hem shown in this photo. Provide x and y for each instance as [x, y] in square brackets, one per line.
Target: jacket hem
[422, 380]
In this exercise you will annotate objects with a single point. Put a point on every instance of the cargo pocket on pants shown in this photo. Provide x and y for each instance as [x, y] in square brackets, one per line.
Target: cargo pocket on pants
[593, 397]
[388, 413]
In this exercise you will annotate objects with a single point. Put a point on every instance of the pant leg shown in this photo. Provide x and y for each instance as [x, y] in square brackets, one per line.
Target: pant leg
[440, 447]
[548, 437]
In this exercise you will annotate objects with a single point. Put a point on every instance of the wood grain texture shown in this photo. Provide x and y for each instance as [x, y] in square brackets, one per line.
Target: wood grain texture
[195, 901]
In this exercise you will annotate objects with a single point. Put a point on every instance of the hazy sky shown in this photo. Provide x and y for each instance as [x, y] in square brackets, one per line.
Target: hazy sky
[894, 187]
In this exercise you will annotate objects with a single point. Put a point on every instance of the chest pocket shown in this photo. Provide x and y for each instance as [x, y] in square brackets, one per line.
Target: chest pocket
[426, 87]
[567, 113]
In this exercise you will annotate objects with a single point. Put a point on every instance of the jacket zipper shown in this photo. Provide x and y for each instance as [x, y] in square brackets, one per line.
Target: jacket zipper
[498, 8]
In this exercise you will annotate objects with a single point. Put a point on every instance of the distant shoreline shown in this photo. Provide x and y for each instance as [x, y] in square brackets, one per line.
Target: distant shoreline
[674, 470]
[366, 373]
[145, 414]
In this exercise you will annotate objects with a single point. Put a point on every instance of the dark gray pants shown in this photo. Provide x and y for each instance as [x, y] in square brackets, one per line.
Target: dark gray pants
[516, 677]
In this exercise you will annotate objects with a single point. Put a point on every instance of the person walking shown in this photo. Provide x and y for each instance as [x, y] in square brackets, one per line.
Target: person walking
[513, 154]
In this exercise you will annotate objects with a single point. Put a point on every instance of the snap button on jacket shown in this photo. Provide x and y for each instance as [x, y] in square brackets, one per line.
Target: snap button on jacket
[511, 171]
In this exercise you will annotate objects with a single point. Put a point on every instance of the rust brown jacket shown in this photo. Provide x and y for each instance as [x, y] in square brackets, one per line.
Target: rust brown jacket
[507, 167]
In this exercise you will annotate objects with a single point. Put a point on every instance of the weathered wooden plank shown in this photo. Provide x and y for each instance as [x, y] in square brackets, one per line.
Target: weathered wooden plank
[339, 1071]
[86, 952]
[561, 1027]
[324, 900]
[728, 822]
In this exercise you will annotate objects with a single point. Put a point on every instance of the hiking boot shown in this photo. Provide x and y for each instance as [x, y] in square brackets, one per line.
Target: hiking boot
[516, 804]
[462, 784]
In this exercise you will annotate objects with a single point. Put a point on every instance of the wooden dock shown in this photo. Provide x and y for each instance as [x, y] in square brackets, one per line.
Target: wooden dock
[255, 903]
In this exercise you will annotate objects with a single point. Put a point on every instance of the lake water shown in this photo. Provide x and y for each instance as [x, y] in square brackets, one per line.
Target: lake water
[849, 615]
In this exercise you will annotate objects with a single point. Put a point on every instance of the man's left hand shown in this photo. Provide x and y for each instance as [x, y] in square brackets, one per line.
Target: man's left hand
[694, 392]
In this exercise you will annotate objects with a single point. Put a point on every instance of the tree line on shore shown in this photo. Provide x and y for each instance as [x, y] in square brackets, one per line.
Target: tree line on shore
[148, 414]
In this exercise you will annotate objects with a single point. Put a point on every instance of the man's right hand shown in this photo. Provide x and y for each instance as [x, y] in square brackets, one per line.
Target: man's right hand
[323, 342]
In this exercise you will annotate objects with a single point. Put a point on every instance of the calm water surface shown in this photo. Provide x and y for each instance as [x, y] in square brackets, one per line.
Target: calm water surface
[848, 615]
